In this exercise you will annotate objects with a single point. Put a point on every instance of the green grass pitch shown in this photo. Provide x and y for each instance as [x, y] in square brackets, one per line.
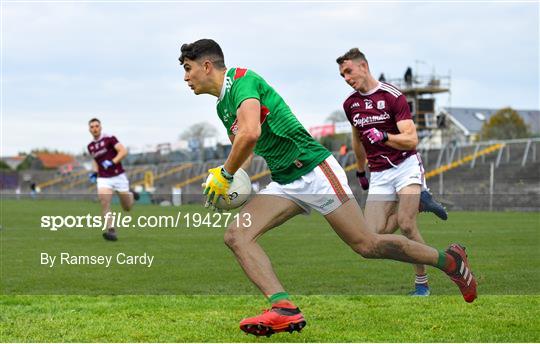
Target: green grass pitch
[195, 291]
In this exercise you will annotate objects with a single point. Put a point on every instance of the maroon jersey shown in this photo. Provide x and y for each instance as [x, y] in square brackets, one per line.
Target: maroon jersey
[103, 149]
[380, 108]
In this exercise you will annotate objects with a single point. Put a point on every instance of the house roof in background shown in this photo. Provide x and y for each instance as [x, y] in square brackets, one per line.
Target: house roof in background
[473, 118]
[55, 160]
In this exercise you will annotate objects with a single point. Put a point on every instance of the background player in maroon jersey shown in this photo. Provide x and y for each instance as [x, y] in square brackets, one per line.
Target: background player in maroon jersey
[108, 172]
[384, 134]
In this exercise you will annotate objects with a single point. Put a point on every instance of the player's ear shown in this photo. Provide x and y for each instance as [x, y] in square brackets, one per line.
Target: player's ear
[207, 66]
[365, 65]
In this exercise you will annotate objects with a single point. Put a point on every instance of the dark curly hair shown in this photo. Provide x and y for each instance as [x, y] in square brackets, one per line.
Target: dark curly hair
[203, 48]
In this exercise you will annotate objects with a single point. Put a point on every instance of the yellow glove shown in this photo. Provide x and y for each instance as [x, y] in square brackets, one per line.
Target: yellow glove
[217, 186]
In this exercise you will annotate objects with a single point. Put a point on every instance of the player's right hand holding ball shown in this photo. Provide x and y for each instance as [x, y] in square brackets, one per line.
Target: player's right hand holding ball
[216, 186]
[362, 179]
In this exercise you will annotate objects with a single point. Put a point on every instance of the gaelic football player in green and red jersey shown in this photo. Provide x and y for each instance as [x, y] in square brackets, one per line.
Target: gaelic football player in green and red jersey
[305, 176]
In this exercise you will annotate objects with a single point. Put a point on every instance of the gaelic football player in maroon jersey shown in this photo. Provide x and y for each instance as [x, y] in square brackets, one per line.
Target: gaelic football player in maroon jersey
[109, 173]
[384, 134]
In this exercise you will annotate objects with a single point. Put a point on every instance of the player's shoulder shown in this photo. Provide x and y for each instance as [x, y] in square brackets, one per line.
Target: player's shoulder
[390, 89]
[243, 79]
[353, 101]
[240, 73]
[109, 138]
[351, 97]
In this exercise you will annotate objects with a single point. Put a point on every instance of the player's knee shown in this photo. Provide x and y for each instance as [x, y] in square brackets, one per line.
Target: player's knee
[375, 227]
[234, 238]
[230, 238]
[367, 247]
[384, 228]
[407, 231]
[105, 203]
[407, 225]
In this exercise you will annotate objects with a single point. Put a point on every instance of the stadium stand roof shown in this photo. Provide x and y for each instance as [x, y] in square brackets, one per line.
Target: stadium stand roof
[473, 118]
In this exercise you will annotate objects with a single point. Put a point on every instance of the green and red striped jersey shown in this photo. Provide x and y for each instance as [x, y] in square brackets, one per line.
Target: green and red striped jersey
[289, 150]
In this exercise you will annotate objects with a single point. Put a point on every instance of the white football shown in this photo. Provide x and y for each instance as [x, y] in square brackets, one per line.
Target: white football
[238, 193]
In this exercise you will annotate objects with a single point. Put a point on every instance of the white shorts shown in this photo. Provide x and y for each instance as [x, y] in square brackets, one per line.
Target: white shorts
[384, 185]
[324, 189]
[118, 183]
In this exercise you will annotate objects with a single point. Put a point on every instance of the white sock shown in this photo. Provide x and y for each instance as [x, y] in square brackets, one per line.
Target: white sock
[421, 279]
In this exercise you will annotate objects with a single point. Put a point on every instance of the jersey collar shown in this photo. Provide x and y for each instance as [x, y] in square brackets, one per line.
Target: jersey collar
[100, 137]
[373, 90]
[223, 87]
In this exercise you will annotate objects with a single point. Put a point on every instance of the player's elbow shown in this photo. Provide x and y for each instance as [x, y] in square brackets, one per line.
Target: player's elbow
[415, 141]
[122, 153]
[254, 137]
[251, 137]
[413, 144]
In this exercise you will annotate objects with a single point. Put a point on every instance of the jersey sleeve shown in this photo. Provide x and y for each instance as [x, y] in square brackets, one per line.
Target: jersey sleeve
[112, 141]
[244, 88]
[346, 110]
[401, 109]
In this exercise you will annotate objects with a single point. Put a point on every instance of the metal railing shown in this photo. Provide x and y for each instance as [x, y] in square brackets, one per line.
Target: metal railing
[519, 151]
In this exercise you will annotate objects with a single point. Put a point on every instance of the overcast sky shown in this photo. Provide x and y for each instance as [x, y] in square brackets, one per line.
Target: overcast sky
[64, 63]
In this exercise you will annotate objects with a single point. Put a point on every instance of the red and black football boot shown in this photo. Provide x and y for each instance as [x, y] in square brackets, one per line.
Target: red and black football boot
[462, 275]
[282, 317]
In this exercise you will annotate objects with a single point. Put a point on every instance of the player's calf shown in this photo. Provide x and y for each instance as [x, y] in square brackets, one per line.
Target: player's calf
[136, 195]
[127, 200]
